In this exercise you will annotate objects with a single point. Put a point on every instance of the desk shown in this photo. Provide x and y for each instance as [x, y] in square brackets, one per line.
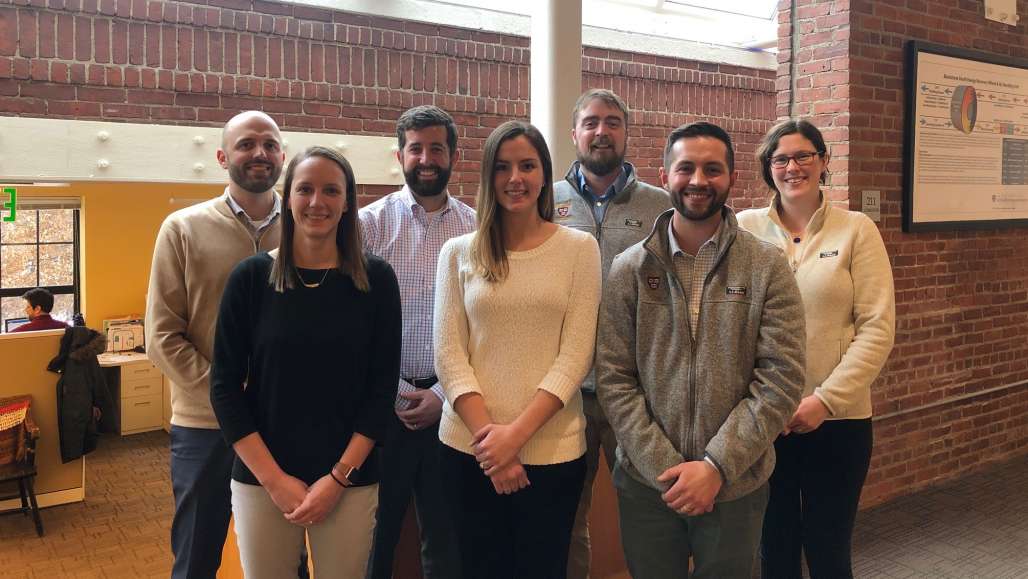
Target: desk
[137, 387]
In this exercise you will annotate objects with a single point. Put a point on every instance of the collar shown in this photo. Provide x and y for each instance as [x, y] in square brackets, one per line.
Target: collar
[238, 210]
[657, 244]
[615, 188]
[817, 220]
[673, 247]
[411, 202]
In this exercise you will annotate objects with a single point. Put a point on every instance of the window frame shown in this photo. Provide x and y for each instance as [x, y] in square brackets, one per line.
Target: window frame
[75, 289]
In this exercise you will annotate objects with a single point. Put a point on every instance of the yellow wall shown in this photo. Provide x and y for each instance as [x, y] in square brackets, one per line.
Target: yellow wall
[119, 226]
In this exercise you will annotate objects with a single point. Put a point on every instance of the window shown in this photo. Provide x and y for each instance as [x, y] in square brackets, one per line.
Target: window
[40, 248]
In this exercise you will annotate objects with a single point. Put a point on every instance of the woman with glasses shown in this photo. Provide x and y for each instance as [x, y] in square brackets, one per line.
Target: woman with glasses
[306, 360]
[845, 278]
[515, 324]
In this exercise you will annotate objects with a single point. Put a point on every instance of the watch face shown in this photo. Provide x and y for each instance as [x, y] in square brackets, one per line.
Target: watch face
[345, 471]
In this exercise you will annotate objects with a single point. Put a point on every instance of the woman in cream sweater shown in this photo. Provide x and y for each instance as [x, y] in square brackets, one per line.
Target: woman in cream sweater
[845, 278]
[515, 325]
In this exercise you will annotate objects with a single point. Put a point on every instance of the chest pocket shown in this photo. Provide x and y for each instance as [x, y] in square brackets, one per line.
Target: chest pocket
[734, 292]
[618, 235]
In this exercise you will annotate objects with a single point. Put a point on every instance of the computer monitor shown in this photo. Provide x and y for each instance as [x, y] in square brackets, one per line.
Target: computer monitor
[12, 323]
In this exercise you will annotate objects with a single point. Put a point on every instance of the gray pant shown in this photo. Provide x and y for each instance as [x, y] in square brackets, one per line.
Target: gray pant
[598, 435]
[270, 546]
[658, 541]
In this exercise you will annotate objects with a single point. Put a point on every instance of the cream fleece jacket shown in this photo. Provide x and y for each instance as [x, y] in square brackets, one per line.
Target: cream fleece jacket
[844, 275]
[534, 330]
[197, 247]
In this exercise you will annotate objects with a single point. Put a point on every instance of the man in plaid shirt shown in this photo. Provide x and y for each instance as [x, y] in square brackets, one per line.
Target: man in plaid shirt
[408, 228]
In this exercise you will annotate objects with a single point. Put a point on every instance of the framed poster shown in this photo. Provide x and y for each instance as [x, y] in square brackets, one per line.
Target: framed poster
[965, 147]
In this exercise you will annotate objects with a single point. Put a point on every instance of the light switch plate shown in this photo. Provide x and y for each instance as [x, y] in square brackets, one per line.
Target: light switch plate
[871, 204]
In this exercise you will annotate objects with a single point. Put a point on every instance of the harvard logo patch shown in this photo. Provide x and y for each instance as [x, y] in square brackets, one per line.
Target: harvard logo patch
[563, 209]
[735, 290]
[653, 282]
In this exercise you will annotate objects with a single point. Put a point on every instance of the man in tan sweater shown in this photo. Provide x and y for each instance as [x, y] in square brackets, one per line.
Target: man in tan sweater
[196, 249]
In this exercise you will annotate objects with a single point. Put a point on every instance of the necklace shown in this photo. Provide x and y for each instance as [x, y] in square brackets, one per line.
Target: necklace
[311, 285]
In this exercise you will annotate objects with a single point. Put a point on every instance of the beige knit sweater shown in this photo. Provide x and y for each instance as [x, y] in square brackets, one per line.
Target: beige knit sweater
[534, 330]
[197, 247]
[845, 278]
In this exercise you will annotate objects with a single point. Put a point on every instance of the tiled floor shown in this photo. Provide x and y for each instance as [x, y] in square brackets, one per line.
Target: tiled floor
[975, 528]
[120, 531]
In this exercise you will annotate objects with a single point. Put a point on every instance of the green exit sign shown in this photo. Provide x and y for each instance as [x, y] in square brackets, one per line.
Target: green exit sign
[12, 201]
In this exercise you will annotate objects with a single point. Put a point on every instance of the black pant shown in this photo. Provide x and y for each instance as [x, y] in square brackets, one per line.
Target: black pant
[410, 464]
[525, 535]
[815, 489]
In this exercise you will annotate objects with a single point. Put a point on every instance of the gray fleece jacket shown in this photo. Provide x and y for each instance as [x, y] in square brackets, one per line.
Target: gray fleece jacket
[728, 393]
[627, 220]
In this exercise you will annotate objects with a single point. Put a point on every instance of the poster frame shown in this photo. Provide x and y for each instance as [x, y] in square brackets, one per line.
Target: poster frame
[912, 50]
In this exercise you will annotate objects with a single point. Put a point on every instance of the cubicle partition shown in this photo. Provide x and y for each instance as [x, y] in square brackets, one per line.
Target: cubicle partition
[23, 360]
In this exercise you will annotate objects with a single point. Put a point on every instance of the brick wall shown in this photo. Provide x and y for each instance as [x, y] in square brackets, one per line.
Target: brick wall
[954, 396]
[323, 70]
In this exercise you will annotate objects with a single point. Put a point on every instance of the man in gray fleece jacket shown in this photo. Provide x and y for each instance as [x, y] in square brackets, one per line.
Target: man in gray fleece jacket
[700, 359]
[602, 196]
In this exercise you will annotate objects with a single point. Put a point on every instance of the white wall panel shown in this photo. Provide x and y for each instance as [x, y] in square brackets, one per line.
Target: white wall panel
[34, 149]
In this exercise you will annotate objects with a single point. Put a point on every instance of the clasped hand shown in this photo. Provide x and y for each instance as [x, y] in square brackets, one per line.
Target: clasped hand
[696, 484]
[496, 448]
[303, 505]
[423, 411]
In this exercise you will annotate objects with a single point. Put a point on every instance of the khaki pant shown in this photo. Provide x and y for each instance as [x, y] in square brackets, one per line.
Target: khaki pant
[269, 545]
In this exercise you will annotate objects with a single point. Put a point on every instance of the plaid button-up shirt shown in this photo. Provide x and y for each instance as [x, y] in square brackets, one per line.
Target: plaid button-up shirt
[692, 271]
[397, 229]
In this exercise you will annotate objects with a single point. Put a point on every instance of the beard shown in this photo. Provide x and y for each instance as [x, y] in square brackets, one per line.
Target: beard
[601, 163]
[428, 188]
[239, 176]
[714, 205]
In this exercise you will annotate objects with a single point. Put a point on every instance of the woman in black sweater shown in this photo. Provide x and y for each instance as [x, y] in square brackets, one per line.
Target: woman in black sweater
[306, 361]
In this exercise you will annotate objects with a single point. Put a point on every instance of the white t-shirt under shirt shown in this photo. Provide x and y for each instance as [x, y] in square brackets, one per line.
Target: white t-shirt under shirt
[535, 329]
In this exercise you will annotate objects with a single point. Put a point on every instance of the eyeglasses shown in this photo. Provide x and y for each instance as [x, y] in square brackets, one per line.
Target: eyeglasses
[802, 158]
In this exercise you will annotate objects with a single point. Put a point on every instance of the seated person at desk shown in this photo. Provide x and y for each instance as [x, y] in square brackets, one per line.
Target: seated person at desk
[38, 303]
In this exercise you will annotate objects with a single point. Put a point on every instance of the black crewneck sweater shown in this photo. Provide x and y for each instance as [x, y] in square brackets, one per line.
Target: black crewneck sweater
[318, 365]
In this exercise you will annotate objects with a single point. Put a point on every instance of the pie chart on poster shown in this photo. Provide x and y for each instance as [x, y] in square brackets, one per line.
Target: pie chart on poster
[964, 108]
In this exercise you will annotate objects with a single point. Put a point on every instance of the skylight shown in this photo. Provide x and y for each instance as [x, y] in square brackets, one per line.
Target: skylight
[763, 9]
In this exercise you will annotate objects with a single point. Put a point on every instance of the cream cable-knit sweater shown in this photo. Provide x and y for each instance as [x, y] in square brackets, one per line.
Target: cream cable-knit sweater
[535, 329]
[846, 281]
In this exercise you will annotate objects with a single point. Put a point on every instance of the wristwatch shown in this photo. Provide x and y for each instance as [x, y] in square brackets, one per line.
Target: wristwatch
[342, 472]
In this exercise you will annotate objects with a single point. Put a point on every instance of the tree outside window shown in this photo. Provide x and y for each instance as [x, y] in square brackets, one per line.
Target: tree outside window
[40, 248]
